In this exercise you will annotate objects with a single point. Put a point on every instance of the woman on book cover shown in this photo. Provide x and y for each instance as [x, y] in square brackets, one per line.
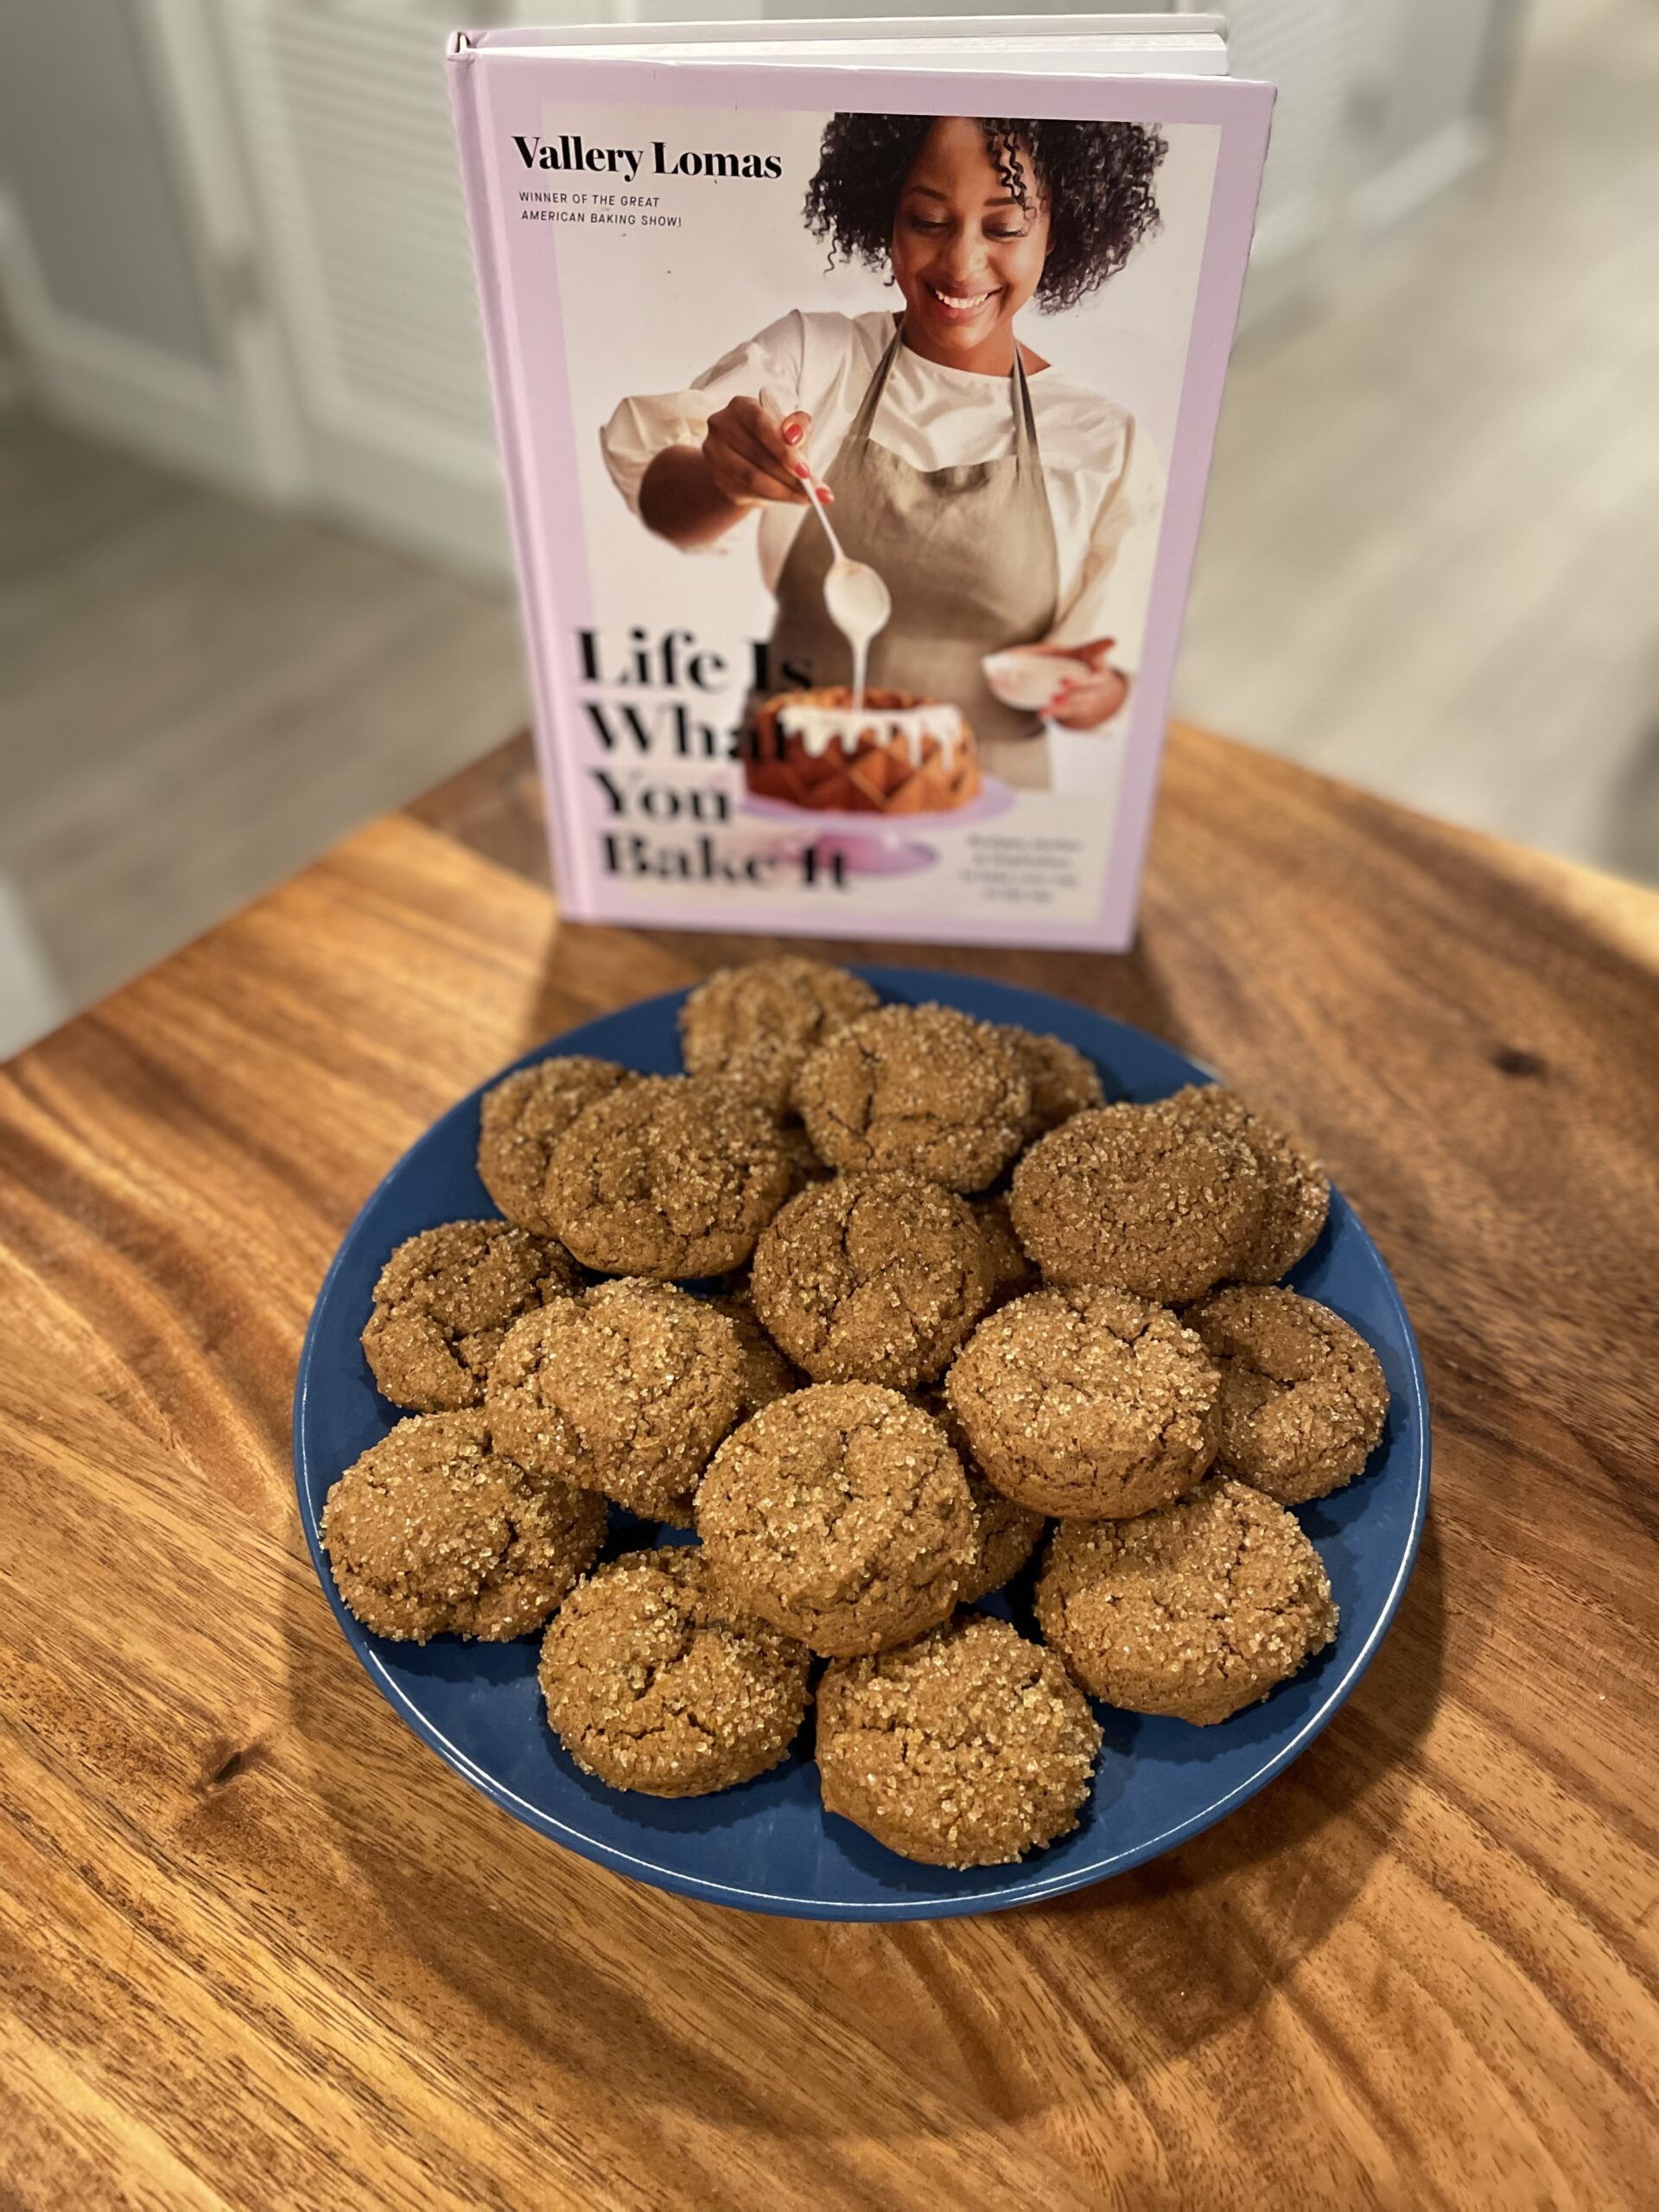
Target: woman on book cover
[1002, 503]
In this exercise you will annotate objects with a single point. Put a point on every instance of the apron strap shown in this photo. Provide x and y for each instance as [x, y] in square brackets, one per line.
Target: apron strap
[858, 433]
[1026, 463]
[1025, 419]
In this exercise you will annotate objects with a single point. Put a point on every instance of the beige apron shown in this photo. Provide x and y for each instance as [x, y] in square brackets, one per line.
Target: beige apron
[970, 558]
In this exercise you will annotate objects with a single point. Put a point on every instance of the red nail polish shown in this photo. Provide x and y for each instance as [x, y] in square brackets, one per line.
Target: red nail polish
[791, 433]
[825, 494]
[800, 468]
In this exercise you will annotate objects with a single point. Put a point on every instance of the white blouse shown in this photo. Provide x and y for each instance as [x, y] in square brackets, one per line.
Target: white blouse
[1104, 484]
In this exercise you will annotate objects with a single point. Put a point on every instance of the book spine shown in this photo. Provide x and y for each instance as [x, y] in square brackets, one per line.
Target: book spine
[462, 60]
[1236, 193]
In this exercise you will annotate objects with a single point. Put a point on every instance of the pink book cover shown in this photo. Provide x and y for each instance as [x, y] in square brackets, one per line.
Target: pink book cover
[855, 436]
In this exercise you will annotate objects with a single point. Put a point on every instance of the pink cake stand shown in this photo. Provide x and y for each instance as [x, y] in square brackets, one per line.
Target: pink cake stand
[877, 844]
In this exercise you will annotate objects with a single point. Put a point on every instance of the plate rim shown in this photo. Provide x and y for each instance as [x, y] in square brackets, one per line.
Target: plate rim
[1039, 1889]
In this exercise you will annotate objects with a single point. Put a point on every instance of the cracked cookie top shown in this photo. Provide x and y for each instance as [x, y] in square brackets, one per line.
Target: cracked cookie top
[923, 1088]
[1135, 1199]
[432, 1531]
[655, 1681]
[1195, 1610]
[521, 1118]
[1303, 1398]
[842, 1515]
[1296, 1191]
[670, 1176]
[756, 1026]
[1086, 1403]
[444, 1302]
[626, 1390]
[872, 1279]
[967, 1748]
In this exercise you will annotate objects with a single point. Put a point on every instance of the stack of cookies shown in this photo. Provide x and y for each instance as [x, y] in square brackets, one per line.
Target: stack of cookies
[946, 1294]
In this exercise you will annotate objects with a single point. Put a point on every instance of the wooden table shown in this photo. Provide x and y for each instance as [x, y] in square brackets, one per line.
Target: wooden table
[259, 1947]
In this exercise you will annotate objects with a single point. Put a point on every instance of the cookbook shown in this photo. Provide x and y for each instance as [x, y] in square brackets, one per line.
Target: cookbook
[855, 433]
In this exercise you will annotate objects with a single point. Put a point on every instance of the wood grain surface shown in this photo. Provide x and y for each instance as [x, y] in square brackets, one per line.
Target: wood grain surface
[259, 1947]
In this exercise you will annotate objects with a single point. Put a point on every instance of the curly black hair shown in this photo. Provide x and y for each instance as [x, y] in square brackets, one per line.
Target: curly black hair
[1096, 178]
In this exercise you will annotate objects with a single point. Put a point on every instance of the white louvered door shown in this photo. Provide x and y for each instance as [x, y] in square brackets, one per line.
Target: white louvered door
[344, 117]
[1311, 49]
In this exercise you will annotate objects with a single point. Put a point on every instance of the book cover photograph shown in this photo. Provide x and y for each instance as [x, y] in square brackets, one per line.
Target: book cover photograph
[856, 448]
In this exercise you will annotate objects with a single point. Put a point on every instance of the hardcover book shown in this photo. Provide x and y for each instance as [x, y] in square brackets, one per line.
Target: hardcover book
[856, 386]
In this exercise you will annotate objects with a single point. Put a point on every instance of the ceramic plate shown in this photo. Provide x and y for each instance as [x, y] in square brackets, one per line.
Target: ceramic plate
[769, 1847]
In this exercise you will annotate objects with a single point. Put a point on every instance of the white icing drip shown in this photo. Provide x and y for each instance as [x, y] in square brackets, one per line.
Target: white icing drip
[859, 605]
[816, 728]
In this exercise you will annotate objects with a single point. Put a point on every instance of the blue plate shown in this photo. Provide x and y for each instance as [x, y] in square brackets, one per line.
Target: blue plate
[769, 1847]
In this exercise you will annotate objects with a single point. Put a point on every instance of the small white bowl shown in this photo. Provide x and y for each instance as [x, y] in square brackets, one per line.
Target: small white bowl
[1029, 681]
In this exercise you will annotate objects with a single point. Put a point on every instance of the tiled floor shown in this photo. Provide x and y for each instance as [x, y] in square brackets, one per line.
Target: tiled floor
[1431, 564]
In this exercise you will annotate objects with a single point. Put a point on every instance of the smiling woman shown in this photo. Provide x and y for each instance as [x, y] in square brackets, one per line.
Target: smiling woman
[994, 496]
[966, 259]
[1094, 182]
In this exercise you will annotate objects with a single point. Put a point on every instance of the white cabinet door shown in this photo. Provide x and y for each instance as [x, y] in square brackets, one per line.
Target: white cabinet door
[1310, 49]
[132, 300]
[344, 120]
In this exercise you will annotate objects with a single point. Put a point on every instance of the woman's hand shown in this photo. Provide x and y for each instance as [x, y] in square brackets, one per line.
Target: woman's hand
[693, 495]
[754, 457]
[1086, 702]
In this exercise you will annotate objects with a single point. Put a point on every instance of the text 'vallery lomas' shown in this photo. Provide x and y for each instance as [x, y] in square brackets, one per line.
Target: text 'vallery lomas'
[570, 153]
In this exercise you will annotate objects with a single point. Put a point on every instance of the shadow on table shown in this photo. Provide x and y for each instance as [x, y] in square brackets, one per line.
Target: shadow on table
[581, 1971]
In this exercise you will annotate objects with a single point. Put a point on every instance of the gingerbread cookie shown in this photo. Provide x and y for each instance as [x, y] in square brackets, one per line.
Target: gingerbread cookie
[921, 1088]
[521, 1118]
[841, 1515]
[1303, 1400]
[654, 1681]
[1133, 1198]
[757, 1025]
[1297, 1191]
[626, 1390]
[432, 1532]
[1062, 1080]
[1195, 1610]
[444, 1302]
[672, 1176]
[1093, 1404]
[872, 1279]
[967, 1747]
